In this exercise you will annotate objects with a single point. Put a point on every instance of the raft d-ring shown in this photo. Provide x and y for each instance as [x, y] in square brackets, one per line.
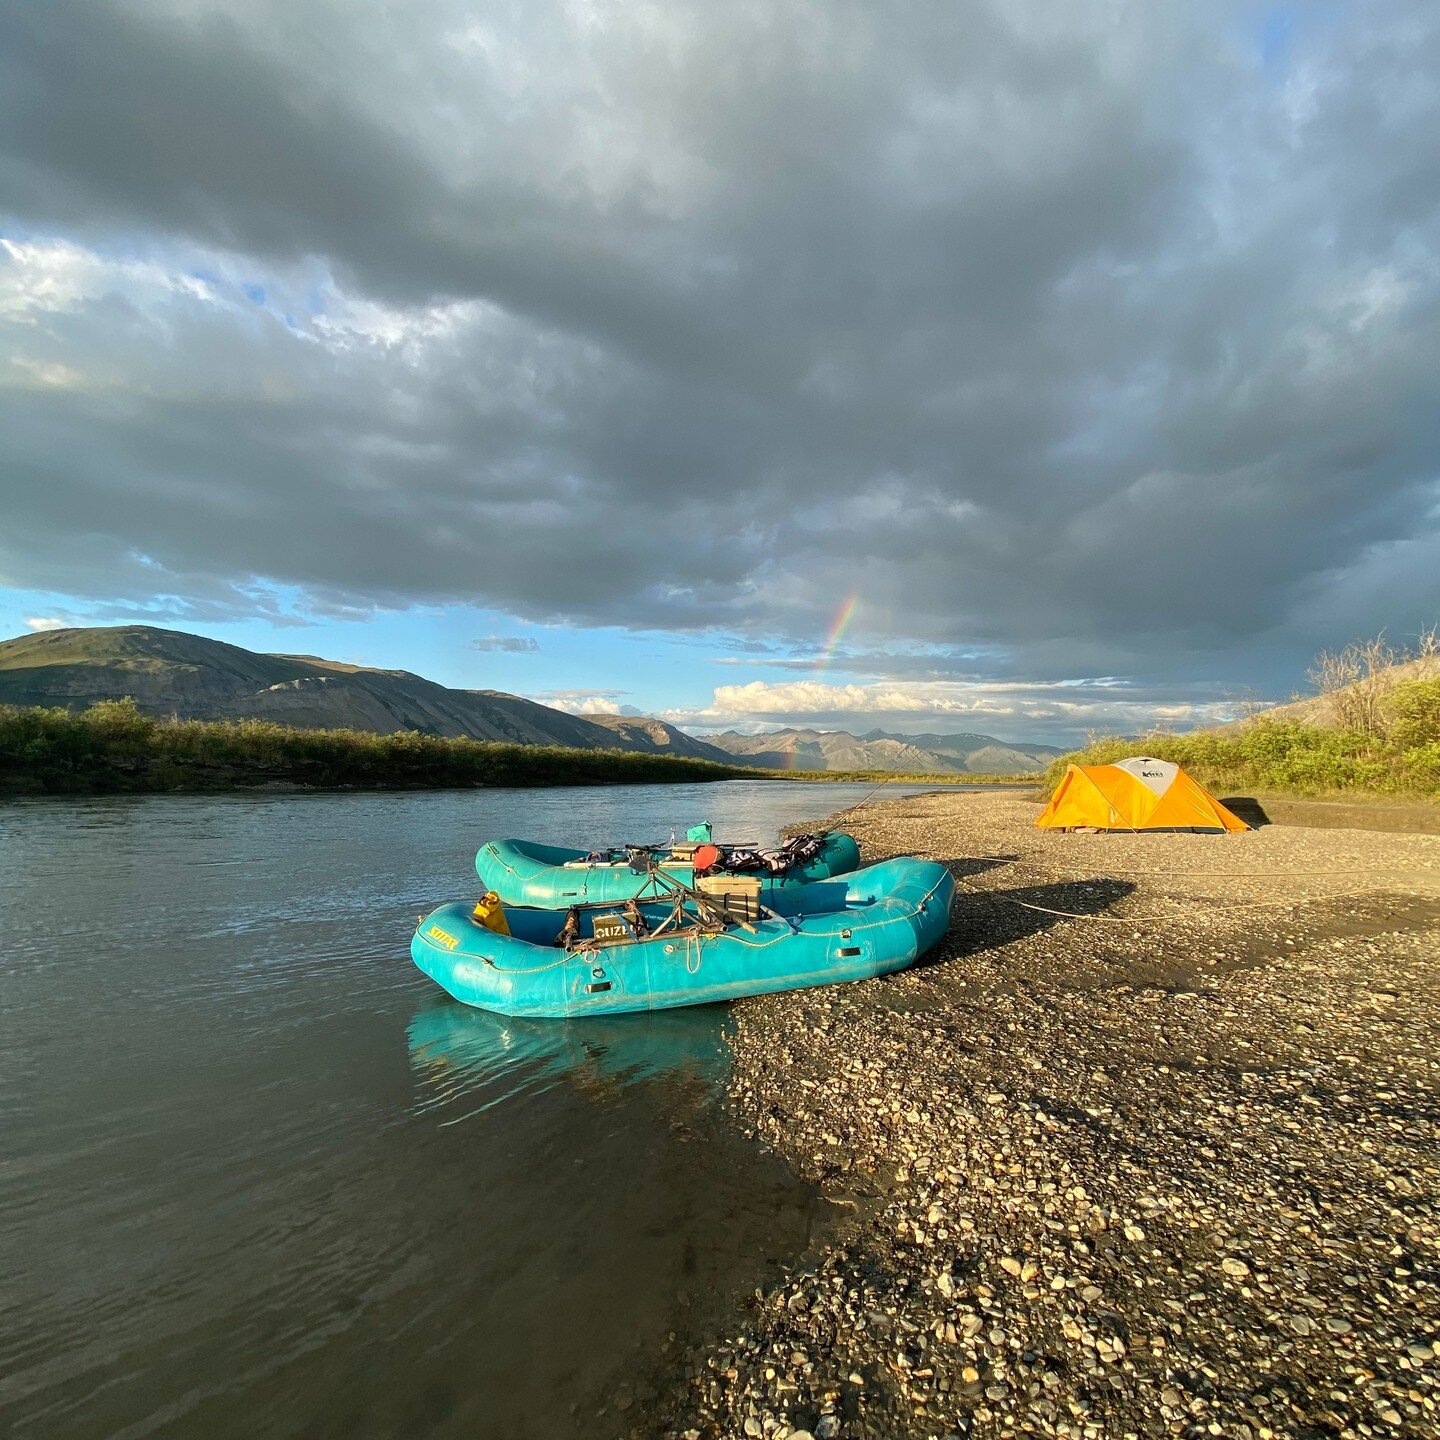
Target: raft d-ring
[844, 934]
[598, 973]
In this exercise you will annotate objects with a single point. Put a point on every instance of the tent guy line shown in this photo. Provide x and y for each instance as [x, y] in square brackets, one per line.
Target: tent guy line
[1290, 902]
[1198, 874]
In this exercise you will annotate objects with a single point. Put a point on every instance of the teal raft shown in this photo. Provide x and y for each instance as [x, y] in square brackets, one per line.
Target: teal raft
[870, 923]
[522, 872]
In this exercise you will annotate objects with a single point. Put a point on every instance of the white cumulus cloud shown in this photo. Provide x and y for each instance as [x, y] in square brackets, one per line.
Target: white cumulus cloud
[1015, 710]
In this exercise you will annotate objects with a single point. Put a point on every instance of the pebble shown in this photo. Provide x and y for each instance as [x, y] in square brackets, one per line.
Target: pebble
[1173, 1137]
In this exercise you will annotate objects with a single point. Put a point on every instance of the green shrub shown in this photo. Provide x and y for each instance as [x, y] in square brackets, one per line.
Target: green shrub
[113, 746]
[1414, 713]
[1288, 755]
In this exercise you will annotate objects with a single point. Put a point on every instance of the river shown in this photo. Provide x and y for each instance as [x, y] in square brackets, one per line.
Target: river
[260, 1177]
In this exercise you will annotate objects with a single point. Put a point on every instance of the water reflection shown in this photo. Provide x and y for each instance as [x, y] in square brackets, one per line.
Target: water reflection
[250, 1206]
[467, 1060]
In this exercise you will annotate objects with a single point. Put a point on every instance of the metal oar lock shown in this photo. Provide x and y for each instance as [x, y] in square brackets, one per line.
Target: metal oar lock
[710, 915]
[707, 909]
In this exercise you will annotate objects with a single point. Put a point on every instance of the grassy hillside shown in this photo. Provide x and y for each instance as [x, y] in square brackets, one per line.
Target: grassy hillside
[1396, 751]
[112, 746]
[171, 673]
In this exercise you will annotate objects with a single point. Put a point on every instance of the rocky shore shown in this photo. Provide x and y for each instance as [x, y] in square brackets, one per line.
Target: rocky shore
[1166, 1169]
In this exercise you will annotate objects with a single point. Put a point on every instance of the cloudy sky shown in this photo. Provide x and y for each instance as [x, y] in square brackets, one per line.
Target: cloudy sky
[1015, 367]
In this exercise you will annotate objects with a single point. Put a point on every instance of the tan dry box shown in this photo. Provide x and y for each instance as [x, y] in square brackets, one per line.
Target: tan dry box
[612, 929]
[737, 895]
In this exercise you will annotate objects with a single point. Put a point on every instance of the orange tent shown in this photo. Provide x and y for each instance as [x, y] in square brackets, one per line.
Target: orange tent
[1134, 794]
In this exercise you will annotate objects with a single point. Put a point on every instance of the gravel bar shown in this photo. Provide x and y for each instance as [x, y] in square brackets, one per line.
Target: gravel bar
[1166, 1169]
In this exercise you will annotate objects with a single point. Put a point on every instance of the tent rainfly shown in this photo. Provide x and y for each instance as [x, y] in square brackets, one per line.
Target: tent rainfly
[1135, 794]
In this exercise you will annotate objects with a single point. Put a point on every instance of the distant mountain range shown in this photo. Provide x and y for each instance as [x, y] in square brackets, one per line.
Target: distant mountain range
[964, 753]
[169, 672]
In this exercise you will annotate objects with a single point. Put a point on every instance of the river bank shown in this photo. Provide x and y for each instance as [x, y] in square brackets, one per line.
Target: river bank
[112, 748]
[1169, 1169]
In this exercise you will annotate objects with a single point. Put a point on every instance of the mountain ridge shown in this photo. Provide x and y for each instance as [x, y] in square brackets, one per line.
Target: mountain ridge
[931, 753]
[172, 672]
[660, 737]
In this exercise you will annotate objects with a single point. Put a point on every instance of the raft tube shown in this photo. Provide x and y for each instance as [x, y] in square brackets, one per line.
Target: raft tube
[522, 872]
[870, 923]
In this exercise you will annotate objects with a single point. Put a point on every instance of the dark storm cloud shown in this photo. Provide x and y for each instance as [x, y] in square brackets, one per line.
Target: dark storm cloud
[1082, 339]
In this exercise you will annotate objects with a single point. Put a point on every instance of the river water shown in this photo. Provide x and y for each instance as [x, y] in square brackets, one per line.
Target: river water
[258, 1176]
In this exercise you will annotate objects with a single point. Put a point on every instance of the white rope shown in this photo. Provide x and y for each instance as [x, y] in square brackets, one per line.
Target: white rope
[1155, 919]
[1215, 874]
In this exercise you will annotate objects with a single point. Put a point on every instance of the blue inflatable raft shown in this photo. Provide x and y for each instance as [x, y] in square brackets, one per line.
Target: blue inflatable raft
[870, 923]
[552, 877]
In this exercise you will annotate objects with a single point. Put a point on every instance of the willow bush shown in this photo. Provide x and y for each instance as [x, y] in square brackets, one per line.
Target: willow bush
[1398, 751]
[113, 746]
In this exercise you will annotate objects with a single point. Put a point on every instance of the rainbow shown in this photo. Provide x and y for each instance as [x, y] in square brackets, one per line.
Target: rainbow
[843, 616]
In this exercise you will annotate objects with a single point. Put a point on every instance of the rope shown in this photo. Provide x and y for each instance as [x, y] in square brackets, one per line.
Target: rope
[504, 970]
[1153, 919]
[1219, 874]
[860, 803]
[532, 970]
[505, 864]
[853, 928]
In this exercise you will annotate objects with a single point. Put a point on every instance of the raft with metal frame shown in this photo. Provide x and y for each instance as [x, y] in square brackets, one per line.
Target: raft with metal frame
[687, 951]
[524, 872]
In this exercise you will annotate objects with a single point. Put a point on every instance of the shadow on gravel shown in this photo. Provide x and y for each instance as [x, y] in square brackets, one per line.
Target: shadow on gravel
[1001, 916]
[1248, 809]
[964, 869]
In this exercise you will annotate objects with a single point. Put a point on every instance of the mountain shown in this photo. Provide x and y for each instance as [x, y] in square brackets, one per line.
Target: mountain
[169, 672]
[639, 732]
[877, 750]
